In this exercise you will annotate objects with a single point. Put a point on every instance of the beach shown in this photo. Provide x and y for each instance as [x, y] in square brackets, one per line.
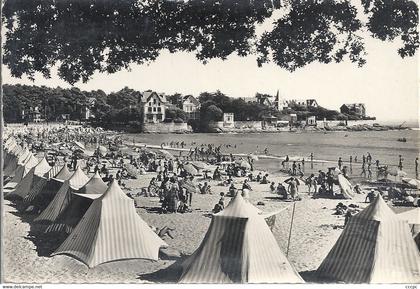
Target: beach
[315, 227]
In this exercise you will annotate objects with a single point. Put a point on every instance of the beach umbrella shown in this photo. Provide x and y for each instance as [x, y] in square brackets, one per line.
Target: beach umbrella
[200, 165]
[166, 154]
[79, 144]
[412, 182]
[189, 168]
[245, 165]
[189, 186]
[254, 157]
[132, 171]
[102, 150]
[65, 152]
[396, 172]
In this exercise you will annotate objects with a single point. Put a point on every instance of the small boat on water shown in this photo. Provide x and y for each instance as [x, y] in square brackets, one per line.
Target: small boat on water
[402, 139]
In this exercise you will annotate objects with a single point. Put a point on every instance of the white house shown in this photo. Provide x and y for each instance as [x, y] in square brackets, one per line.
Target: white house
[154, 106]
[191, 106]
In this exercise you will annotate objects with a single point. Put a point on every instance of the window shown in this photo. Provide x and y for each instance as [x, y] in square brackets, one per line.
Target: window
[154, 101]
[150, 104]
[159, 109]
[154, 109]
[150, 109]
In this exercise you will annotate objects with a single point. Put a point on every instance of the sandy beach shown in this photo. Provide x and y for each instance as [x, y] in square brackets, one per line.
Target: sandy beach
[315, 230]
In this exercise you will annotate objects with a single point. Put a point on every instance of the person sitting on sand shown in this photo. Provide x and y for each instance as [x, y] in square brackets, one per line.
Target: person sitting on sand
[357, 189]
[281, 191]
[246, 185]
[250, 177]
[370, 196]
[232, 190]
[264, 179]
[272, 188]
[220, 206]
[259, 177]
[217, 175]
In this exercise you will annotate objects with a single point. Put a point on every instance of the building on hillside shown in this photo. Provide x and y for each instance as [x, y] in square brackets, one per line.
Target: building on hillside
[191, 107]
[311, 120]
[154, 105]
[358, 109]
[269, 121]
[33, 114]
[87, 109]
[302, 102]
[228, 120]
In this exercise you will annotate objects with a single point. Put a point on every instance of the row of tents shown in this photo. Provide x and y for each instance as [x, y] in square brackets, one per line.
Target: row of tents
[102, 225]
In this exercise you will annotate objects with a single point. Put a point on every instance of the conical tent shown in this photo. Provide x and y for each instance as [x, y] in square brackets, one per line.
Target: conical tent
[78, 205]
[13, 164]
[345, 187]
[239, 247]
[413, 219]
[376, 246]
[64, 173]
[31, 178]
[22, 170]
[111, 230]
[62, 198]
[95, 185]
[45, 189]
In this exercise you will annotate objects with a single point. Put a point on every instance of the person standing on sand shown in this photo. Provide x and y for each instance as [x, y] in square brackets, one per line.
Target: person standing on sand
[293, 188]
[416, 164]
[369, 171]
[363, 170]
[340, 163]
[400, 162]
[294, 168]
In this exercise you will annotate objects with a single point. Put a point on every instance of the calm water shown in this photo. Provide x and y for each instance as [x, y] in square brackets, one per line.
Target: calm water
[382, 145]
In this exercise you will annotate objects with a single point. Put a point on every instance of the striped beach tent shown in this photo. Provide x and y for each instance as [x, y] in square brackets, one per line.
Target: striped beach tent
[64, 173]
[22, 170]
[111, 230]
[63, 196]
[239, 247]
[30, 179]
[80, 202]
[45, 189]
[13, 164]
[376, 246]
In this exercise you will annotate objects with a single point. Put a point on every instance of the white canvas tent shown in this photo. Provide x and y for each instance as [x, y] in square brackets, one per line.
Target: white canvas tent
[376, 246]
[345, 187]
[239, 247]
[79, 203]
[111, 230]
[412, 217]
[44, 190]
[22, 170]
[30, 179]
[12, 165]
[62, 198]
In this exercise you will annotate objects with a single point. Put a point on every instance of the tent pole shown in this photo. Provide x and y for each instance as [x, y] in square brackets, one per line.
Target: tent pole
[291, 226]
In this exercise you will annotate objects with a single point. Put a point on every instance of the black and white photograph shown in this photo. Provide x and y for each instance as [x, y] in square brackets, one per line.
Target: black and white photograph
[209, 142]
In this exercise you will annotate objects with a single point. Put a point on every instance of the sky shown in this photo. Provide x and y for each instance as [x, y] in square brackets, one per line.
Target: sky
[387, 83]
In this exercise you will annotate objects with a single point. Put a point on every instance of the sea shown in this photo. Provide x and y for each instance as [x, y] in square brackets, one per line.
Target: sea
[326, 147]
